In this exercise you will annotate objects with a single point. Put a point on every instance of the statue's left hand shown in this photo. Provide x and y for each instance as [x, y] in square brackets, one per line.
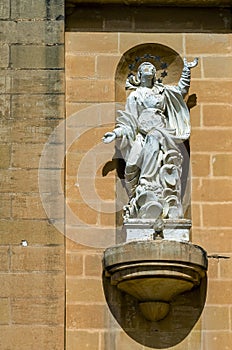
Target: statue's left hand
[109, 137]
[192, 64]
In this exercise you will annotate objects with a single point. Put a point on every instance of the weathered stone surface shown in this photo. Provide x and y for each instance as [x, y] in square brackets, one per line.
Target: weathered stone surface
[5, 206]
[37, 56]
[222, 164]
[4, 258]
[5, 9]
[215, 318]
[32, 32]
[5, 159]
[14, 180]
[129, 40]
[217, 215]
[213, 295]
[216, 339]
[213, 190]
[106, 65]
[203, 140]
[88, 290]
[36, 81]
[35, 232]
[27, 206]
[38, 285]
[93, 264]
[31, 107]
[201, 43]
[211, 113]
[5, 81]
[100, 42]
[80, 66]
[90, 91]
[200, 164]
[32, 338]
[4, 58]
[74, 264]
[214, 238]
[122, 341]
[40, 311]
[82, 340]
[217, 67]
[36, 305]
[39, 9]
[79, 316]
[37, 258]
[5, 110]
[5, 311]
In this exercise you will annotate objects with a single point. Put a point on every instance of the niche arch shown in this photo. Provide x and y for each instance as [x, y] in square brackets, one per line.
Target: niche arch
[166, 60]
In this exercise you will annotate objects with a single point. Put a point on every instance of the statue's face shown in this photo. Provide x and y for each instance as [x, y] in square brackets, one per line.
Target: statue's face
[147, 69]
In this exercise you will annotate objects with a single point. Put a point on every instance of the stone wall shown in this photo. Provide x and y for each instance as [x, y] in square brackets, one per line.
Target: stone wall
[32, 105]
[92, 57]
[32, 247]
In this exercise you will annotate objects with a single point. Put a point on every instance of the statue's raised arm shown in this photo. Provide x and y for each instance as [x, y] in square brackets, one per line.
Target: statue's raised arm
[191, 64]
[184, 82]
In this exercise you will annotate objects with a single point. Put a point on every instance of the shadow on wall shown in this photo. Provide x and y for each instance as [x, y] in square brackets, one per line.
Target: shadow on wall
[144, 19]
[185, 311]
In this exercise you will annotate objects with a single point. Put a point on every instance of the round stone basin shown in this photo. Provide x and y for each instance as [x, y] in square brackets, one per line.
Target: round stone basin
[155, 272]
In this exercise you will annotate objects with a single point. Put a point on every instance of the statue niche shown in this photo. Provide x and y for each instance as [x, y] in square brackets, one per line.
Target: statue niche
[155, 279]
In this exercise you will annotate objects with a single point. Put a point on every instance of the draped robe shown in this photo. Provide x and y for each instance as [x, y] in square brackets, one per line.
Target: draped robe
[154, 121]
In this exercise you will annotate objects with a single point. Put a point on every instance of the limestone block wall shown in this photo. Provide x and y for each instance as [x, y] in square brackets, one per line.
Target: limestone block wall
[32, 86]
[211, 180]
[31, 106]
[92, 57]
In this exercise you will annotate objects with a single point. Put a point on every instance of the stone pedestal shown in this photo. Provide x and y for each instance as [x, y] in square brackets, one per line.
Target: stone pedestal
[155, 272]
[147, 229]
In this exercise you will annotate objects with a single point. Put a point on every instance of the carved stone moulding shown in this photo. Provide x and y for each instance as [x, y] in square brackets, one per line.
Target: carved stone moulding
[155, 272]
[149, 229]
[201, 3]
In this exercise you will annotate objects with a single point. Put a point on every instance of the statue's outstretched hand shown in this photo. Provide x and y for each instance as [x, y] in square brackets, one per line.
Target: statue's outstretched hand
[192, 64]
[109, 137]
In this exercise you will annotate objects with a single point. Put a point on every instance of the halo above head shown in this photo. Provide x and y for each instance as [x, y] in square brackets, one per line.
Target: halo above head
[155, 60]
[167, 61]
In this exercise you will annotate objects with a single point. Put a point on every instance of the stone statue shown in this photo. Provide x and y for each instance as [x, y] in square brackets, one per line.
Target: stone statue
[155, 121]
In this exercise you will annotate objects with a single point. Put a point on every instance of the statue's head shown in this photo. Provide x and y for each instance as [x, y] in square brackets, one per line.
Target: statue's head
[146, 69]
